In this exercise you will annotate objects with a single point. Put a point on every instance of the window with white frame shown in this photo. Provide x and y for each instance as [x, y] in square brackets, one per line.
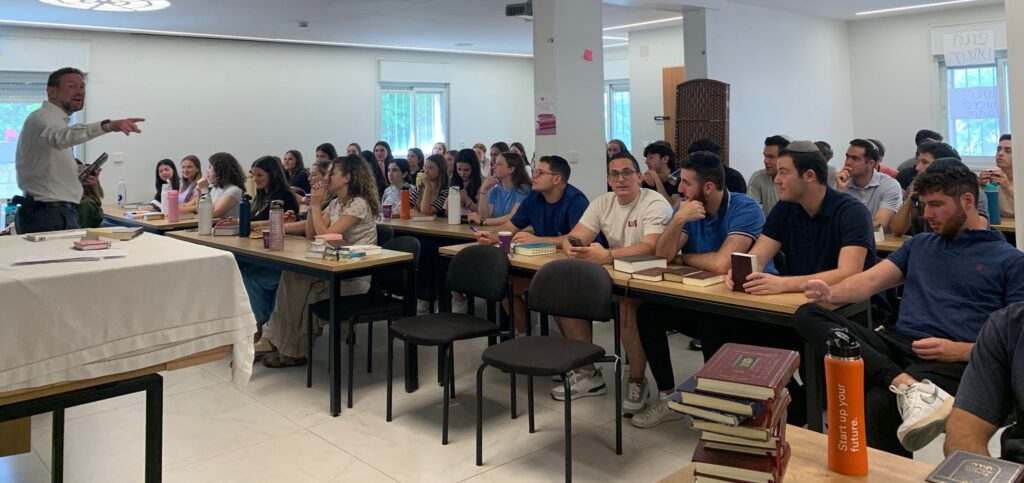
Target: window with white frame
[616, 112]
[20, 94]
[413, 116]
[975, 103]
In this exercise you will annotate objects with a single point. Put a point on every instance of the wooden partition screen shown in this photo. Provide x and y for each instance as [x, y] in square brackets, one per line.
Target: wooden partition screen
[702, 111]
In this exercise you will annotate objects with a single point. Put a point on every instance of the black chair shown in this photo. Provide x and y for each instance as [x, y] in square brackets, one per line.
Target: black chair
[477, 271]
[384, 234]
[780, 263]
[366, 308]
[568, 288]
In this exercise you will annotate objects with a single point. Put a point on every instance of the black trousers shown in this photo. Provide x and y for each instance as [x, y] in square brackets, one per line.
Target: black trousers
[42, 217]
[655, 320]
[886, 354]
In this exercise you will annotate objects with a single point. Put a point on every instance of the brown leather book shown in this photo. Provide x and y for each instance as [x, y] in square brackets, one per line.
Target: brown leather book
[739, 466]
[748, 371]
[743, 264]
[677, 274]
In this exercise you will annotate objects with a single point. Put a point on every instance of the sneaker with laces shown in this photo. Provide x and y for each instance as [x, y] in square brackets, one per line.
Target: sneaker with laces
[636, 397]
[924, 408]
[656, 413]
[581, 384]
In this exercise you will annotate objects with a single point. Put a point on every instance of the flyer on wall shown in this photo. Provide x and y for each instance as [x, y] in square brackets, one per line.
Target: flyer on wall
[545, 109]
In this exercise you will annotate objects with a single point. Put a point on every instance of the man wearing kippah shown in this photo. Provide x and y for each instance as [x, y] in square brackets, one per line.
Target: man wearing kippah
[953, 278]
[824, 234]
[709, 225]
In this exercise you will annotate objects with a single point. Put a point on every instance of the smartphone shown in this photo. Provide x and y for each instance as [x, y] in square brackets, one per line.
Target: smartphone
[576, 242]
[92, 168]
[474, 228]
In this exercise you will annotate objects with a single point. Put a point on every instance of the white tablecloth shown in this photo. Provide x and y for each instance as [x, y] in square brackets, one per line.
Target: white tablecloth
[79, 320]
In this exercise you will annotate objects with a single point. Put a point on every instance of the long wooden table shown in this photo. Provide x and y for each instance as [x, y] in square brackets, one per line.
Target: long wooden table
[810, 464]
[115, 215]
[718, 300]
[890, 244]
[1006, 225]
[438, 228]
[293, 259]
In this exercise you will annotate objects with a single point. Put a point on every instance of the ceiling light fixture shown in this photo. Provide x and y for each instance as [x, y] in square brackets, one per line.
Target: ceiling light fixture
[912, 7]
[641, 24]
[111, 5]
[608, 37]
[171, 33]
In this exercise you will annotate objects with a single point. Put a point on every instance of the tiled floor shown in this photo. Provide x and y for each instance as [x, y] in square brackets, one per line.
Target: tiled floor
[276, 430]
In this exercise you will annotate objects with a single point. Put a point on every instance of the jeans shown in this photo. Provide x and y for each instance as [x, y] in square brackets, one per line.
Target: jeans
[40, 217]
[261, 285]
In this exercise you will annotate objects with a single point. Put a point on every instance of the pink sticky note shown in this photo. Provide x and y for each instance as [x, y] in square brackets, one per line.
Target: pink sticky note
[588, 55]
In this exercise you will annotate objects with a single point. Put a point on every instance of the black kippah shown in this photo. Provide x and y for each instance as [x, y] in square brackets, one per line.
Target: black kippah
[705, 160]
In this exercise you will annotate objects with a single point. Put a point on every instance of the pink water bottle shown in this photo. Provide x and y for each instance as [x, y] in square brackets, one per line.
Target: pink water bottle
[276, 225]
[172, 206]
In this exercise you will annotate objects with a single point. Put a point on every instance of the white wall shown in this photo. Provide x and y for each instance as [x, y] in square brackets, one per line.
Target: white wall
[789, 73]
[250, 99]
[616, 62]
[649, 52]
[895, 76]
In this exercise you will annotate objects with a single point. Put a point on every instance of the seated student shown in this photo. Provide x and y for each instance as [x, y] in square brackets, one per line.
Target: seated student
[379, 177]
[449, 159]
[431, 196]
[166, 173]
[952, 280]
[415, 159]
[382, 154]
[708, 226]
[398, 172]
[353, 215]
[661, 165]
[317, 174]
[921, 136]
[467, 177]
[734, 181]
[501, 195]
[271, 181]
[616, 146]
[824, 235]
[495, 151]
[295, 169]
[1002, 175]
[353, 149]
[90, 209]
[481, 155]
[910, 219]
[326, 152]
[991, 388]
[860, 177]
[631, 220]
[225, 183]
[761, 186]
[439, 148]
[191, 173]
[552, 208]
[886, 170]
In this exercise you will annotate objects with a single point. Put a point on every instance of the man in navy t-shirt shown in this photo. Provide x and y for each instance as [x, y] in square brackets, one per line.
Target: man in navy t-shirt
[708, 225]
[953, 279]
[553, 208]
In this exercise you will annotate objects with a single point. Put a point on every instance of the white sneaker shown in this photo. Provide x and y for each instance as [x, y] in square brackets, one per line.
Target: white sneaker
[422, 307]
[656, 413]
[924, 408]
[636, 397]
[459, 306]
[581, 384]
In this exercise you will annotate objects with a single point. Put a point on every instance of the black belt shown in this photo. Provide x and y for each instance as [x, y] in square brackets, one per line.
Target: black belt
[29, 201]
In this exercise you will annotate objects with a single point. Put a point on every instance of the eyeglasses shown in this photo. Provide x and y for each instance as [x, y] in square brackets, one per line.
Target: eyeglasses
[538, 173]
[624, 174]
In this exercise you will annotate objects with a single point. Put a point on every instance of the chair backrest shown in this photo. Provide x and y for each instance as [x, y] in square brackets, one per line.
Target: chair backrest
[384, 233]
[572, 288]
[479, 271]
[780, 263]
[393, 279]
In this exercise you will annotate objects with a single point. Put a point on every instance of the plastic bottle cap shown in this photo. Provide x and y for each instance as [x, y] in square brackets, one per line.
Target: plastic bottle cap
[841, 345]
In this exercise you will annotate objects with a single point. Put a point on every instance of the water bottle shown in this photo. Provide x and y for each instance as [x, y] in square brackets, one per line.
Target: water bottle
[171, 206]
[276, 225]
[244, 217]
[122, 192]
[163, 196]
[454, 206]
[405, 205]
[205, 215]
[844, 379]
[992, 192]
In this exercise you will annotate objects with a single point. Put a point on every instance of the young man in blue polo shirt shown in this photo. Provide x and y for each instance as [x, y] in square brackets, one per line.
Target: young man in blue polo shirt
[706, 228]
[953, 279]
[553, 208]
[824, 234]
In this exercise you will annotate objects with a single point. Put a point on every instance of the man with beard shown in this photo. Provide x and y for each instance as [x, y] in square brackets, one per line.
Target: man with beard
[707, 227]
[953, 279]
[47, 172]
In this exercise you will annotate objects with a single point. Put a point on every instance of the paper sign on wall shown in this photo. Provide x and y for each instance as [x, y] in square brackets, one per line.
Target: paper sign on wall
[545, 109]
[975, 47]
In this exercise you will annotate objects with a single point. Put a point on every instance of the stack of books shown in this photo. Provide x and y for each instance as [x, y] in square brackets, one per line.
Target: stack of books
[738, 401]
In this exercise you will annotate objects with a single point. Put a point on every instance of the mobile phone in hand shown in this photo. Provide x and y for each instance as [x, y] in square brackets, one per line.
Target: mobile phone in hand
[92, 168]
[576, 242]
[474, 228]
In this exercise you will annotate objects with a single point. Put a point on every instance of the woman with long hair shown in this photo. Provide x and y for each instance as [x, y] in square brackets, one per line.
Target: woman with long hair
[431, 195]
[481, 155]
[353, 149]
[449, 159]
[439, 148]
[616, 146]
[495, 151]
[378, 176]
[271, 180]
[191, 173]
[166, 172]
[415, 159]
[225, 183]
[468, 178]
[352, 214]
[326, 152]
[297, 174]
[501, 195]
[382, 154]
[398, 176]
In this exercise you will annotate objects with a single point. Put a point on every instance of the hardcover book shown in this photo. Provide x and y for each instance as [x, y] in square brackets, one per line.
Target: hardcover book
[962, 466]
[706, 414]
[534, 249]
[739, 466]
[677, 274]
[768, 424]
[743, 264]
[651, 274]
[635, 263]
[689, 395]
[748, 371]
[703, 279]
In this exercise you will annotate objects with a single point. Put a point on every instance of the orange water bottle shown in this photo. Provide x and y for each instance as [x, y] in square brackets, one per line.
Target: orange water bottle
[844, 378]
[404, 197]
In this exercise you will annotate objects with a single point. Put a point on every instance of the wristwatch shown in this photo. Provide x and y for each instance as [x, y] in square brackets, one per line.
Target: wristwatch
[104, 123]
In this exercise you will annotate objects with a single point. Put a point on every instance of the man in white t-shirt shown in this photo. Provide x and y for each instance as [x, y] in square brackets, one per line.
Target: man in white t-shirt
[631, 220]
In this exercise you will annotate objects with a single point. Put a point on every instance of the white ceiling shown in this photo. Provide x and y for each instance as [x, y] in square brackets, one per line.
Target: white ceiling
[430, 24]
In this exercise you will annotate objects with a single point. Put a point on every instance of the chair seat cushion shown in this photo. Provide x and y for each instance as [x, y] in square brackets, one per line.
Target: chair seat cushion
[541, 356]
[368, 306]
[440, 329]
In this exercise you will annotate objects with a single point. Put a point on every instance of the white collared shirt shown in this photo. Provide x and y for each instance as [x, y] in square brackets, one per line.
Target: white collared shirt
[44, 162]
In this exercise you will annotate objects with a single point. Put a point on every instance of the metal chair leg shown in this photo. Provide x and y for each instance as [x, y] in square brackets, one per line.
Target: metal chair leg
[480, 415]
[309, 348]
[440, 366]
[351, 357]
[568, 430]
[514, 394]
[529, 401]
[447, 375]
[391, 352]
[369, 347]
[57, 446]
